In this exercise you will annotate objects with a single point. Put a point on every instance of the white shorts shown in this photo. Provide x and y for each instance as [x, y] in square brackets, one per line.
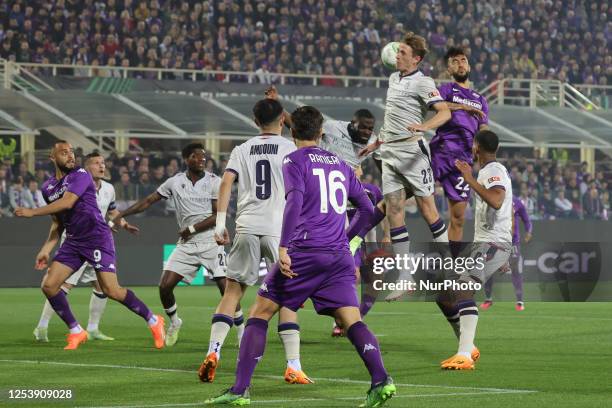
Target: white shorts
[245, 256]
[407, 166]
[84, 274]
[495, 256]
[187, 258]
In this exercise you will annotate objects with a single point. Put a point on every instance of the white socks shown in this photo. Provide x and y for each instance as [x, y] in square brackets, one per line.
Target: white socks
[97, 304]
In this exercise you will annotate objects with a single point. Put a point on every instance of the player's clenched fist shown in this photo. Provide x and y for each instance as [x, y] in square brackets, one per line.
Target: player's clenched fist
[24, 212]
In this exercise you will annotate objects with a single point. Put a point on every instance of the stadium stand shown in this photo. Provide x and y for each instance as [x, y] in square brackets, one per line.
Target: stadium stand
[560, 39]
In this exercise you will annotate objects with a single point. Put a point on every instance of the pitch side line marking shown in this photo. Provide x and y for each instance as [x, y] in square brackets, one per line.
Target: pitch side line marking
[272, 377]
[283, 401]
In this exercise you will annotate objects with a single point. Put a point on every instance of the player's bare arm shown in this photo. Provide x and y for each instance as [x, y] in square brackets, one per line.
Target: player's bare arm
[372, 147]
[55, 232]
[112, 214]
[139, 207]
[65, 203]
[220, 207]
[493, 196]
[443, 115]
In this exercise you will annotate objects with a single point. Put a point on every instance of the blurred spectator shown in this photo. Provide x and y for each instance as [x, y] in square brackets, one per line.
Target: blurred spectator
[18, 196]
[593, 206]
[563, 206]
[35, 195]
[547, 206]
[125, 190]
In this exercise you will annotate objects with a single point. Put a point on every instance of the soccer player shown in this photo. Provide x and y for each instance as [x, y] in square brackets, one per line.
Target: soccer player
[257, 166]
[492, 243]
[453, 140]
[315, 261]
[194, 195]
[516, 267]
[71, 195]
[406, 161]
[105, 198]
[347, 140]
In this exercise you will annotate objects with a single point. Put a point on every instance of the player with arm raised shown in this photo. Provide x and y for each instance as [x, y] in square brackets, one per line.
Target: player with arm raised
[257, 166]
[406, 161]
[315, 261]
[71, 195]
[105, 197]
[492, 243]
[515, 264]
[194, 194]
[453, 140]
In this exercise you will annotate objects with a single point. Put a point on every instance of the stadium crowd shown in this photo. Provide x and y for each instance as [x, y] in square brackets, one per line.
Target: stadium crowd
[550, 189]
[553, 39]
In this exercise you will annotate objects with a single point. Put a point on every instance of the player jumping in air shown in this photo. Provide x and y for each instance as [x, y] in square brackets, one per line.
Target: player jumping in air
[314, 259]
[71, 195]
[453, 140]
[492, 244]
[257, 166]
[406, 163]
[516, 266]
[105, 197]
[194, 194]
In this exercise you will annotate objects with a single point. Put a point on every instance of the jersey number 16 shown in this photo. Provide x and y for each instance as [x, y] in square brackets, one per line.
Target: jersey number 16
[329, 187]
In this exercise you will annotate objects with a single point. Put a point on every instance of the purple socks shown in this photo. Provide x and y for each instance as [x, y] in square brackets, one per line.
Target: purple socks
[251, 351]
[368, 349]
[137, 306]
[59, 303]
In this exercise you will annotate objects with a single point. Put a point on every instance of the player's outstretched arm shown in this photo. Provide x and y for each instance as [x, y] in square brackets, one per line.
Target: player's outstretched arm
[55, 232]
[225, 191]
[522, 213]
[139, 207]
[112, 214]
[469, 109]
[65, 203]
[493, 196]
[443, 115]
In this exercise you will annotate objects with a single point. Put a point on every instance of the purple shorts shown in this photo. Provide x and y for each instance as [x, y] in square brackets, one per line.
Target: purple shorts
[101, 257]
[328, 279]
[445, 172]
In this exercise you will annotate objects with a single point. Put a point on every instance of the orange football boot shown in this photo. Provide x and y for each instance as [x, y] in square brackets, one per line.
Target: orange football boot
[206, 372]
[458, 362]
[159, 332]
[74, 339]
[296, 377]
[475, 356]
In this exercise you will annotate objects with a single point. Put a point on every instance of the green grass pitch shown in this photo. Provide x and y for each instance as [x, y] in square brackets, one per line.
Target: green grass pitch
[550, 355]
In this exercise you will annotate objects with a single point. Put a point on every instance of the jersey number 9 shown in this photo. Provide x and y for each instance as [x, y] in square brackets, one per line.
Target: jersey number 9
[263, 179]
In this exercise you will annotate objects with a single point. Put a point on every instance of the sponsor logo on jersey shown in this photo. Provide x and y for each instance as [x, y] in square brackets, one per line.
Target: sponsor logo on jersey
[287, 160]
[433, 94]
[493, 179]
[264, 287]
[464, 101]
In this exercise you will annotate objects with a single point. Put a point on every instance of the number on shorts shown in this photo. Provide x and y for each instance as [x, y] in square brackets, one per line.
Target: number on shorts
[221, 259]
[334, 183]
[97, 255]
[427, 177]
[263, 179]
[462, 186]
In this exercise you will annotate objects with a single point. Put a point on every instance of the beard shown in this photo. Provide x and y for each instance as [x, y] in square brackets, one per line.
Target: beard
[64, 167]
[461, 78]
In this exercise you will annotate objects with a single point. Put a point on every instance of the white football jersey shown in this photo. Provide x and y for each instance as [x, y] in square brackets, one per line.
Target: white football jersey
[258, 164]
[408, 100]
[105, 198]
[192, 202]
[494, 225]
[337, 140]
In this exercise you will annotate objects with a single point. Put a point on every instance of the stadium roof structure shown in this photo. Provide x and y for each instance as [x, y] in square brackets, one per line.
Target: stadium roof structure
[227, 115]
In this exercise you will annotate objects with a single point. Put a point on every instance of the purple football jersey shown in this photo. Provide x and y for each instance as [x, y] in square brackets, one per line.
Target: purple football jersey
[327, 184]
[458, 133]
[519, 211]
[83, 221]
